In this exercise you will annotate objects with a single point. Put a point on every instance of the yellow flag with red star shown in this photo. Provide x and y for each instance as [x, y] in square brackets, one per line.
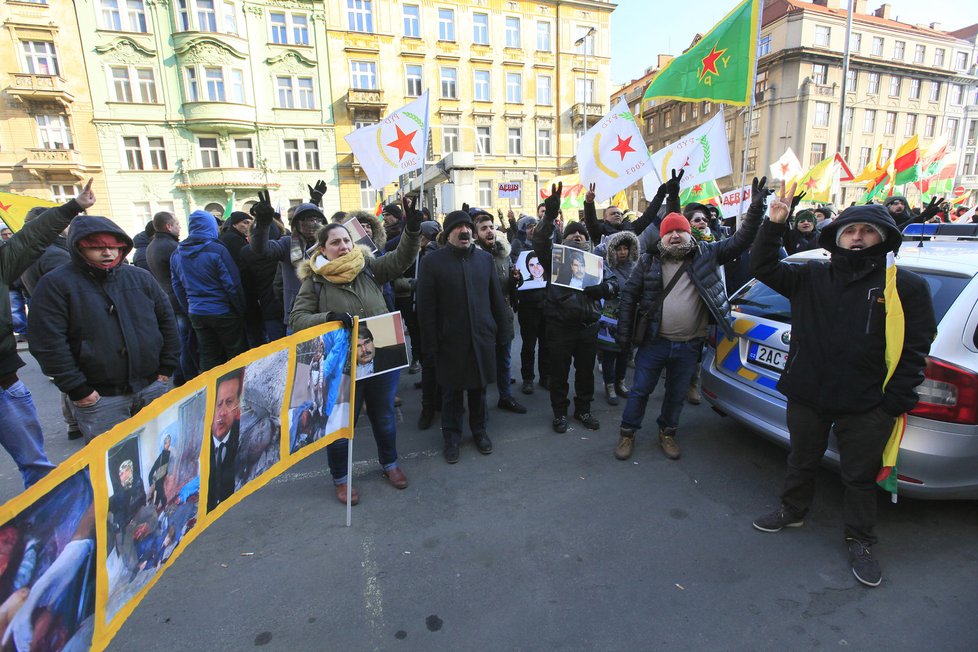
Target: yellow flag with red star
[13, 208]
[817, 182]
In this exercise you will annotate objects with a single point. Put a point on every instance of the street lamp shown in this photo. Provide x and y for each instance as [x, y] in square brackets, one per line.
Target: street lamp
[579, 43]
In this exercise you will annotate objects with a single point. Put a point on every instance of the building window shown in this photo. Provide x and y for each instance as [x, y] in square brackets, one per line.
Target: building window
[822, 34]
[707, 108]
[911, 125]
[864, 154]
[694, 110]
[889, 124]
[310, 153]
[483, 137]
[961, 61]
[307, 97]
[40, 57]
[214, 84]
[209, 154]
[914, 89]
[930, 126]
[206, 16]
[755, 124]
[449, 140]
[360, 16]
[480, 29]
[514, 141]
[667, 122]
[412, 21]
[939, 57]
[414, 79]
[821, 114]
[918, 53]
[133, 19]
[764, 46]
[583, 34]
[760, 85]
[682, 113]
[818, 154]
[544, 90]
[287, 24]
[285, 92]
[894, 86]
[584, 90]
[363, 75]
[847, 118]
[121, 85]
[869, 121]
[301, 154]
[856, 43]
[544, 138]
[480, 80]
[368, 196]
[449, 83]
[874, 84]
[485, 192]
[62, 192]
[851, 80]
[543, 36]
[935, 91]
[446, 24]
[512, 32]
[193, 89]
[514, 87]
[955, 93]
[53, 131]
[157, 153]
[878, 46]
[899, 50]
[290, 150]
[126, 78]
[951, 130]
[820, 73]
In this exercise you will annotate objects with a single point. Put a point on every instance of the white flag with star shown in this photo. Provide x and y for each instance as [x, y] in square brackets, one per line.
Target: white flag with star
[612, 154]
[703, 154]
[394, 146]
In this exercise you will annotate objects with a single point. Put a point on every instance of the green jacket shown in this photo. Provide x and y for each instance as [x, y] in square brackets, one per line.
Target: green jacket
[362, 297]
[16, 255]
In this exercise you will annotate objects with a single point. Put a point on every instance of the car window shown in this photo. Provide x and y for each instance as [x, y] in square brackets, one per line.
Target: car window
[758, 300]
[944, 289]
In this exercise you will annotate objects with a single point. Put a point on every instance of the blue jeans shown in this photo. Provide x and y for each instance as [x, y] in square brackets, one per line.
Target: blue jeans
[503, 366]
[18, 305]
[377, 393]
[20, 433]
[679, 360]
[109, 411]
[274, 329]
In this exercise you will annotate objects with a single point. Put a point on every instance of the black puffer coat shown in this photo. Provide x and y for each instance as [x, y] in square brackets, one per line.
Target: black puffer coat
[645, 284]
[836, 358]
[158, 255]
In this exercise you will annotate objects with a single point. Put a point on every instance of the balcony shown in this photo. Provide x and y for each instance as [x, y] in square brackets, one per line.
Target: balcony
[221, 178]
[28, 87]
[594, 113]
[219, 117]
[364, 101]
[42, 163]
[827, 90]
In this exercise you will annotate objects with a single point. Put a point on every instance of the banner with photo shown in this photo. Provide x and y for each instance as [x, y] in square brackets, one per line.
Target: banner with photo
[81, 548]
[530, 268]
[575, 269]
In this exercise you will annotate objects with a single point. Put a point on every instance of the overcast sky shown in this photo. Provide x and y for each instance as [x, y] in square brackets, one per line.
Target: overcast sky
[642, 29]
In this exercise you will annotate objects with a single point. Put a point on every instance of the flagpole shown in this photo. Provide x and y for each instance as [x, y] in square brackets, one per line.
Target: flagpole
[750, 113]
[845, 78]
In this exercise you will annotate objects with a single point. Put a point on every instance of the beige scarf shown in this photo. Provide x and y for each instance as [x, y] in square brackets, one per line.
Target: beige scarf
[339, 270]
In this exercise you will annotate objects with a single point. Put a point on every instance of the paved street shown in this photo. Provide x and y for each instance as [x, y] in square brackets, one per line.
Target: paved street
[551, 543]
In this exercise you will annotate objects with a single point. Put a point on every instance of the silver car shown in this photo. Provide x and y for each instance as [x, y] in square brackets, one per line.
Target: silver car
[939, 454]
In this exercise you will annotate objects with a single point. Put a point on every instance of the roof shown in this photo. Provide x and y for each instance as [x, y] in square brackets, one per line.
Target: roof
[966, 33]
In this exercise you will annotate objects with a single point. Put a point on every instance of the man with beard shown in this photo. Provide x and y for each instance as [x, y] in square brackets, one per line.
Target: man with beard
[903, 215]
[678, 288]
[509, 277]
[372, 360]
[464, 320]
[572, 322]
[225, 432]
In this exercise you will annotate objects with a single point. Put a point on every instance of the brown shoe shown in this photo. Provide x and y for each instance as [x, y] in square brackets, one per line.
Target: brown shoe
[667, 440]
[397, 478]
[341, 490]
[626, 439]
[693, 395]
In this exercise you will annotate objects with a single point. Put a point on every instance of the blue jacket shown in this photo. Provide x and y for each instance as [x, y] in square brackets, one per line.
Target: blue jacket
[205, 278]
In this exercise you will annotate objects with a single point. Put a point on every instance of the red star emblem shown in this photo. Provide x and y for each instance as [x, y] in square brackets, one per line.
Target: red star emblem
[5, 207]
[697, 189]
[710, 62]
[811, 183]
[623, 146]
[403, 143]
[784, 168]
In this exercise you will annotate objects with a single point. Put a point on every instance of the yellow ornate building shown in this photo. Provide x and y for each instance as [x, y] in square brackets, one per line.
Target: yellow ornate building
[48, 144]
[512, 84]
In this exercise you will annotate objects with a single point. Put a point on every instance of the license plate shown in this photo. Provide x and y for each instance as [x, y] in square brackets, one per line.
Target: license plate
[767, 356]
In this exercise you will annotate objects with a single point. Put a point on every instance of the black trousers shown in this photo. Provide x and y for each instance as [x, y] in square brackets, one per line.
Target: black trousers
[452, 411]
[533, 334]
[577, 344]
[861, 439]
[219, 338]
[430, 392]
[406, 306]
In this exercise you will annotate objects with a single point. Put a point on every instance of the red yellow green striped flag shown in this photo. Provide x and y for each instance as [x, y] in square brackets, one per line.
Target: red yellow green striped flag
[894, 333]
[906, 162]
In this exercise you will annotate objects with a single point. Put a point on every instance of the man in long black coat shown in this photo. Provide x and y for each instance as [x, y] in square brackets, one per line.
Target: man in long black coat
[463, 317]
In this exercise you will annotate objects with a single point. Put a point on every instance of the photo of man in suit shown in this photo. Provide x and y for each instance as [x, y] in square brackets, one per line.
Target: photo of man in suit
[225, 437]
[572, 271]
[372, 360]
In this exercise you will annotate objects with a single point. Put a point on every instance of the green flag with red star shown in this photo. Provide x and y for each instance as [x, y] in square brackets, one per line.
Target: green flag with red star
[700, 193]
[720, 67]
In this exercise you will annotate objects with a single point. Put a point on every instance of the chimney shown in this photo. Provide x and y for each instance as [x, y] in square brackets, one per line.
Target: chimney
[859, 7]
[885, 11]
[663, 60]
[935, 26]
[828, 4]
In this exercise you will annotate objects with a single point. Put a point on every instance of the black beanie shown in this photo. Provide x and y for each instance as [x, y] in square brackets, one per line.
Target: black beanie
[576, 227]
[456, 218]
[394, 211]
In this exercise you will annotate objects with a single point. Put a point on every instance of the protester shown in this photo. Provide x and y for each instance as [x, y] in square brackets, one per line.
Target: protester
[343, 280]
[488, 239]
[803, 237]
[903, 215]
[261, 278]
[208, 287]
[836, 379]
[20, 428]
[430, 392]
[103, 330]
[675, 289]
[612, 221]
[234, 234]
[572, 322]
[140, 242]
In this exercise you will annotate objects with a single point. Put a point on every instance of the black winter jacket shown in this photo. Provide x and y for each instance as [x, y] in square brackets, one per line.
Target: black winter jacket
[645, 284]
[835, 361]
[598, 229]
[235, 242]
[53, 257]
[158, 255]
[107, 330]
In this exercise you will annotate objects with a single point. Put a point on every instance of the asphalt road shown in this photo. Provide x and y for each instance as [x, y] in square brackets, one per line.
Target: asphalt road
[551, 543]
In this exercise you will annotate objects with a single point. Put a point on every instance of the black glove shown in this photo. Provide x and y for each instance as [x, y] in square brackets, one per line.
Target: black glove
[672, 185]
[599, 291]
[465, 207]
[411, 214]
[262, 211]
[343, 317]
[759, 191]
[794, 203]
[316, 193]
[552, 203]
[931, 210]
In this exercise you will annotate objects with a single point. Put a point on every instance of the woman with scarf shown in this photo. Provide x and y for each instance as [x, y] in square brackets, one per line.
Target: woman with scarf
[342, 280]
[804, 236]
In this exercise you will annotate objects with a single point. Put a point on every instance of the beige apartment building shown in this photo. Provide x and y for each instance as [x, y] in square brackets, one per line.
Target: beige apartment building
[903, 80]
[513, 84]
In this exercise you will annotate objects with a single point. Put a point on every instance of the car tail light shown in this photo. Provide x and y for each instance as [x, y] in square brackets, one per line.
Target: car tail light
[948, 393]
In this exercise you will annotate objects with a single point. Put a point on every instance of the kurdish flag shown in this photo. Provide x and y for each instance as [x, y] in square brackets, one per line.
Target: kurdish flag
[894, 329]
[817, 182]
[906, 162]
[719, 67]
[13, 208]
[700, 193]
[394, 146]
[938, 180]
